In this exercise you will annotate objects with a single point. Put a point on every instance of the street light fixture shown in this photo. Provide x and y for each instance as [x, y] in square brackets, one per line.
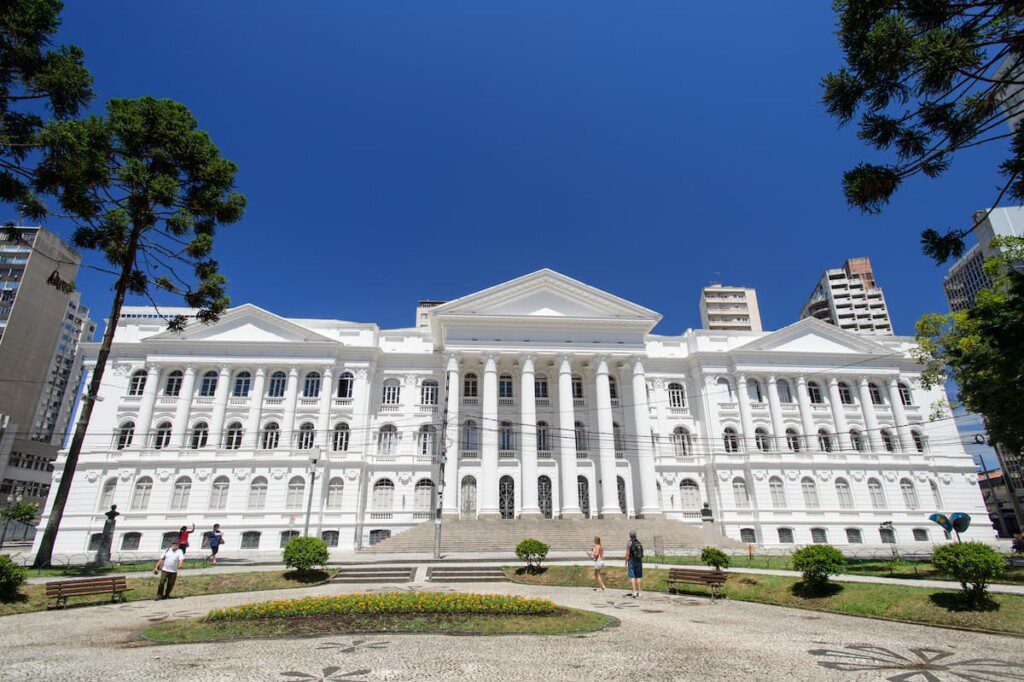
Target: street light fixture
[315, 455]
[14, 496]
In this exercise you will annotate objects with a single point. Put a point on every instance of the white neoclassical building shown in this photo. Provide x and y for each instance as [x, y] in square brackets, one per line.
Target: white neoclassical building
[548, 398]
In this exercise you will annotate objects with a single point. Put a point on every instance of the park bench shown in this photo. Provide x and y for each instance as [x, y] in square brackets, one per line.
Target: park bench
[59, 590]
[695, 576]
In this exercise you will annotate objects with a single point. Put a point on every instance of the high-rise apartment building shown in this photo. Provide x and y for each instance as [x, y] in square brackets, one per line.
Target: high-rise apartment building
[966, 277]
[729, 308]
[40, 367]
[850, 298]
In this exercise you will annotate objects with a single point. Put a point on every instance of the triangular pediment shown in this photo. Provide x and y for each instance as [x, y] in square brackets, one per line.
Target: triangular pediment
[546, 294]
[811, 335]
[245, 324]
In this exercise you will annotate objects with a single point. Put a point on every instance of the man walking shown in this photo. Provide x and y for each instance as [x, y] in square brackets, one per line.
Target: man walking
[215, 540]
[635, 563]
[167, 566]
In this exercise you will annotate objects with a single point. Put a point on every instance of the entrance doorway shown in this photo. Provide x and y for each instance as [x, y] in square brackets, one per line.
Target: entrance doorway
[544, 496]
[507, 497]
[468, 495]
[583, 488]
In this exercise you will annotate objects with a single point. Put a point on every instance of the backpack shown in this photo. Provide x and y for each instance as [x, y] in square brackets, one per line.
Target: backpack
[636, 550]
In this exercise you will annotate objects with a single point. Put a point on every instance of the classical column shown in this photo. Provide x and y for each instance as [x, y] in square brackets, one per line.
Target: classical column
[184, 407]
[528, 439]
[775, 411]
[323, 422]
[291, 396]
[650, 505]
[746, 421]
[839, 414]
[252, 432]
[452, 396]
[567, 440]
[609, 491]
[899, 415]
[145, 419]
[867, 406]
[488, 485]
[220, 406]
[362, 381]
[806, 419]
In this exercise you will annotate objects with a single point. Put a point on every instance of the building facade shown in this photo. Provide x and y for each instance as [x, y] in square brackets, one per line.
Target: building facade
[728, 308]
[966, 277]
[544, 396]
[850, 298]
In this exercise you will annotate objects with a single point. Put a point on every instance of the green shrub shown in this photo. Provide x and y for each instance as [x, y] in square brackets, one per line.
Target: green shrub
[817, 563]
[11, 577]
[304, 554]
[389, 602]
[711, 556]
[972, 564]
[532, 552]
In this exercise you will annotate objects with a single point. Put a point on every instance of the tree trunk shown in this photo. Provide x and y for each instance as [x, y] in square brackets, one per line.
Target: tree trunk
[60, 498]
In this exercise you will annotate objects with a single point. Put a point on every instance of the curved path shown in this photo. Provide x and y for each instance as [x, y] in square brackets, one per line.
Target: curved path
[660, 637]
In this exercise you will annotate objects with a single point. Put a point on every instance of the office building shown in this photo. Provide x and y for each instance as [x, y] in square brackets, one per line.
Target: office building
[850, 298]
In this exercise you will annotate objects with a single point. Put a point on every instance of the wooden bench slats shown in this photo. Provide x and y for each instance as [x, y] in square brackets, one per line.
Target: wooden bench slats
[60, 590]
[694, 576]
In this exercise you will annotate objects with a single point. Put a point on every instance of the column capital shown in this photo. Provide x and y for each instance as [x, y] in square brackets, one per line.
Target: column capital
[225, 369]
[190, 367]
[771, 378]
[800, 379]
[261, 370]
[152, 367]
[863, 379]
[293, 371]
[741, 378]
[491, 362]
[600, 364]
[637, 362]
[892, 381]
[526, 361]
[329, 370]
[451, 362]
[833, 381]
[565, 364]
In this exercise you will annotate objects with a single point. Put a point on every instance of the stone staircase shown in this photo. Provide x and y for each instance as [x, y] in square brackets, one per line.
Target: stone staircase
[466, 574]
[374, 574]
[495, 535]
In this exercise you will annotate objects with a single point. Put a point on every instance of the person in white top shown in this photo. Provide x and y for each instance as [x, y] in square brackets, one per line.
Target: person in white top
[167, 566]
[597, 554]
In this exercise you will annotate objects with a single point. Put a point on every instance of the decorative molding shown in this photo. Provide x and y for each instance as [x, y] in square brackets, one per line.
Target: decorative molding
[241, 473]
[126, 474]
[92, 476]
[164, 474]
[203, 473]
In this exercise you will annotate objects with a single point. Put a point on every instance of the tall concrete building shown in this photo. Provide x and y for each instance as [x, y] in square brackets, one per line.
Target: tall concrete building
[729, 308]
[40, 367]
[966, 277]
[850, 298]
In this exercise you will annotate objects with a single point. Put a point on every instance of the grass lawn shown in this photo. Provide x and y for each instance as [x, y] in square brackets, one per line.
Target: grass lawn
[33, 598]
[83, 571]
[895, 602]
[921, 570]
[562, 622]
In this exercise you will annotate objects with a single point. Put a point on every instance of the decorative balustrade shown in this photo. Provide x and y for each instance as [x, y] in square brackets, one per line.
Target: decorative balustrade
[578, 402]
[342, 402]
[389, 408]
[544, 454]
[426, 408]
[507, 401]
[467, 400]
[543, 402]
[273, 402]
[506, 454]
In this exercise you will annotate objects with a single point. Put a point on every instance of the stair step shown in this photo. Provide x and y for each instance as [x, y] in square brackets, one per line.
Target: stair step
[370, 581]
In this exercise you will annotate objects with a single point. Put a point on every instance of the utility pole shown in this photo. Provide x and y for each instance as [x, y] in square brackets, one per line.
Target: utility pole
[442, 457]
[315, 455]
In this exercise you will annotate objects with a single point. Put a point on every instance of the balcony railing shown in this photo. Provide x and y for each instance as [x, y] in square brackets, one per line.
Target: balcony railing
[578, 402]
[544, 454]
[506, 401]
[543, 402]
[619, 454]
[389, 408]
[506, 454]
[467, 400]
[342, 402]
[469, 454]
[582, 454]
[426, 408]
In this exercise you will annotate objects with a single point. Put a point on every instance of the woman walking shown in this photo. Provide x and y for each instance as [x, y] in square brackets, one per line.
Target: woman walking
[597, 554]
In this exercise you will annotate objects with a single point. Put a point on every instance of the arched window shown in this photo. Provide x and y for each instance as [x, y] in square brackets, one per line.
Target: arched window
[810, 491]
[748, 536]
[825, 440]
[243, 383]
[543, 437]
[251, 539]
[845, 393]
[423, 496]
[172, 387]
[935, 493]
[785, 392]
[467, 497]
[761, 439]
[739, 491]
[814, 393]
[258, 493]
[618, 440]
[307, 436]
[577, 388]
[330, 537]
[271, 436]
[876, 394]
[730, 439]
[581, 437]
[540, 387]
[506, 437]
[287, 536]
[724, 390]
[180, 493]
[860, 443]
[505, 386]
[219, 493]
[335, 489]
[311, 385]
[383, 495]
[143, 489]
[906, 397]
[613, 389]
[130, 541]
[137, 384]
[296, 492]
[793, 440]
[200, 435]
[819, 536]
[689, 494]
[387, 440]
[889, 441]
[909, 494]
[920, 534]
[876, 493]
[428, 392]
[208, 387]
[107, 495]
[887, 536]
[843, 494]
[754, 391]
[233, 436]
[777, 491]
[125, 433]
[162, 435]
[345, 381]
[682, 441]
[470, 436]
[427, 439]
[277, 385]
[470, 386]
[854, 536]
[786, 536]
[920, 440]
[676, 397]
[392, 392]
[341, 434]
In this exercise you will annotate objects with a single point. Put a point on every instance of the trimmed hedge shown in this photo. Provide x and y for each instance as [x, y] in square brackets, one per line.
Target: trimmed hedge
[304, 554]
[394, 602]
[973, 564]
[11, 577]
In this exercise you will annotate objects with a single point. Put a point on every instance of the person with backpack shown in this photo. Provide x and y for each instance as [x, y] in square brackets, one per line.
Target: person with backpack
[635, 563]
[215, 539]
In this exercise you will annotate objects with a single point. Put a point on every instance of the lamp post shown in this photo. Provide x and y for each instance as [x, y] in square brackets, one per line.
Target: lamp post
[13, 497]
[314, 456]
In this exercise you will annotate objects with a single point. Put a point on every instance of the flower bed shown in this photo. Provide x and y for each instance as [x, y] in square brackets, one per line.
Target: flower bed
[387, 603]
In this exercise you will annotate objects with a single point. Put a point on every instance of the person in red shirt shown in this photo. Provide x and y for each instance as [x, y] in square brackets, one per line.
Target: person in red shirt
[183, 537]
